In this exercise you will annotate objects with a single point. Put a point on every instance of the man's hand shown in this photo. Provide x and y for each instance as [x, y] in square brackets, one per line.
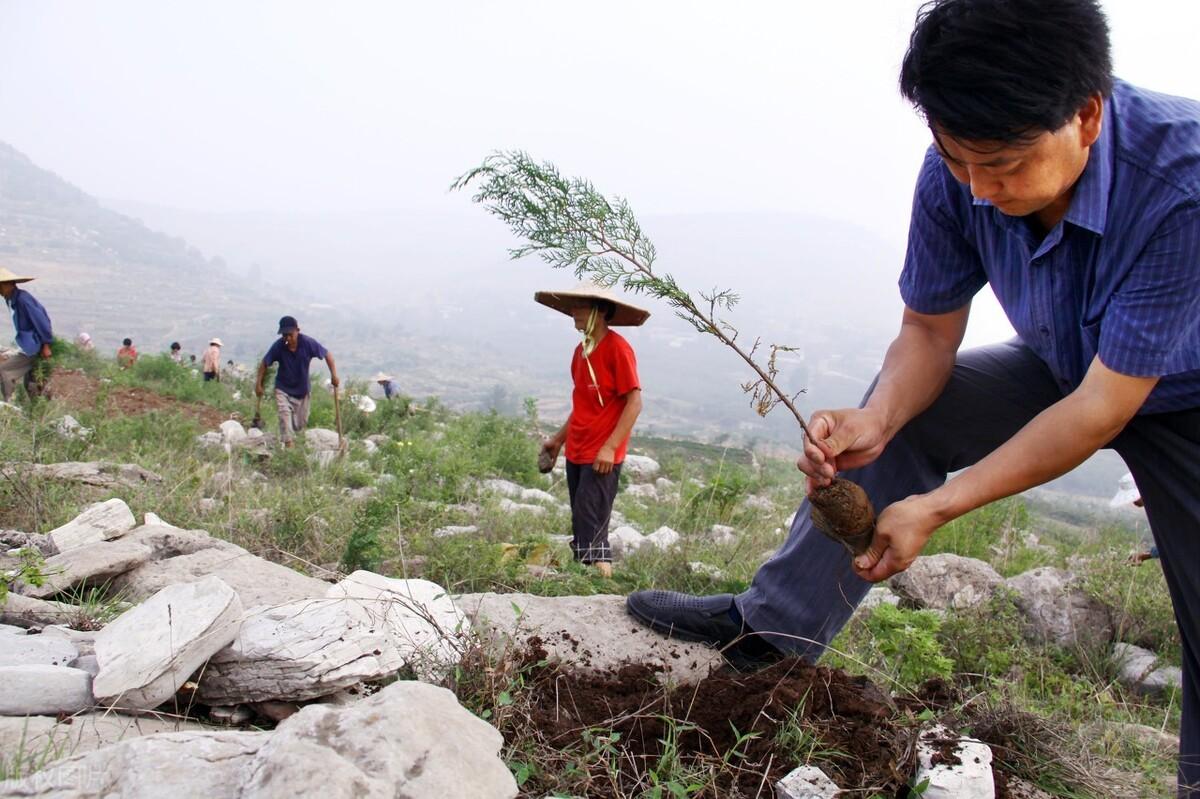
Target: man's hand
[604, 460]
[258, 390]
[900, 534]
[552, 445]
[334, 380]
[843, 439]
[45, 351]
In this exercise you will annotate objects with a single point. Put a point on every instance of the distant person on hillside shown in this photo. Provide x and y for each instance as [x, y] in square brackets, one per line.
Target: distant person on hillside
[84, 342]
[1128, 494]
[176, 352]
[127, 354]
[388, 383]
[1076, 197]
[34, 336]
[293, 351]
[212, 360]
[605, 404]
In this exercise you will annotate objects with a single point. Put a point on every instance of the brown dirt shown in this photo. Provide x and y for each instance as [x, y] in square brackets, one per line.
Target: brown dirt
[842, 511]
[861, 739]
[78, 390]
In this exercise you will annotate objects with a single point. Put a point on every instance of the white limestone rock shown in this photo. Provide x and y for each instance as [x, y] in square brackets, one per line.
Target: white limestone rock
[69, 428]
[42, 650]
[642, 491]
[722, 534]
[300, 650]
[102, 521]
[505, 488]
[589, 633]
[508, 506]
[1058, 611]
[625, 540]
[640, 468]
[1139, 671]
[148, 652]
[455, 529]
[34, 738]
[971, 778]
[90, 563]
[707, 569]
[232, 432]
[210, 439]
[806, 782]
[758, 503]
[663, 538]
[946, 581]
[319, 438]
[42, 690]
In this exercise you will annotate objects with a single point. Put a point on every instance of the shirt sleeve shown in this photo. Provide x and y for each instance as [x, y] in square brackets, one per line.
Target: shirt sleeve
[942, 269]
[39, 320]
[272, 353]
[625, 368]
[316, 350]
[1151, 326]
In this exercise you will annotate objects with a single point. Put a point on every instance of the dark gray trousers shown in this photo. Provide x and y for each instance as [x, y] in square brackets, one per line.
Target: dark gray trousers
[592, 498]
[807, 591]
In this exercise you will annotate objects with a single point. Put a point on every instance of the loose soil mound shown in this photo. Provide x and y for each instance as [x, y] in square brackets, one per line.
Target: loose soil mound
[78, 390]
[796, 712]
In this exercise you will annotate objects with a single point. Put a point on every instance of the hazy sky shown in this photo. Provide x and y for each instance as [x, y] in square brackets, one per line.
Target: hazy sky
[337, 107]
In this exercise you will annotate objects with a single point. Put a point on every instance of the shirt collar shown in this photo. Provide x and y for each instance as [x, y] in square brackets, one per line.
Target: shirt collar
[1089, 203]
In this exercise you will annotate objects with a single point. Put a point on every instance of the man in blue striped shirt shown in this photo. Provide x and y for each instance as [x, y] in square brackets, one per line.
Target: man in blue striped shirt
[1077, 198]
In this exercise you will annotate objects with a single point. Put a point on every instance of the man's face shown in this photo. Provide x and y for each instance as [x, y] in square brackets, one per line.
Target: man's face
[580, 314]
[1033, 178]
[7, 289]
[291, 339]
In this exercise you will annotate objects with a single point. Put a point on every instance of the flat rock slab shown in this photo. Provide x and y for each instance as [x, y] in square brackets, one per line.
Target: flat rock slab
[101, 474]
[167, 541]
[40, 690]
[408, 740]
[90, 564]
[44, 738]
[257, 581]
[426, 628]
[148, 652]
[592, 633]
[103, 521]
[300, 650]
[25, 611]
[28, 650]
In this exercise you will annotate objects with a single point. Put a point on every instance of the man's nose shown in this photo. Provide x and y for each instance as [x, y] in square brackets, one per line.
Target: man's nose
[982, 186]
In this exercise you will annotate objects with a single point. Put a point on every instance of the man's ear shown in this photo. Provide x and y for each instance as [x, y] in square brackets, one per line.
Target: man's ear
[1091, 120]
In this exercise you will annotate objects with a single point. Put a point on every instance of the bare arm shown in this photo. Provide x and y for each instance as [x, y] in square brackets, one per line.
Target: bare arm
[333, 375]
[633, 406]
[914, 372]
[258, 382]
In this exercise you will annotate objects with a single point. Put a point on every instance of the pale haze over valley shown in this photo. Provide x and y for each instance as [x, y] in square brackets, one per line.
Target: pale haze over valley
[310, 148]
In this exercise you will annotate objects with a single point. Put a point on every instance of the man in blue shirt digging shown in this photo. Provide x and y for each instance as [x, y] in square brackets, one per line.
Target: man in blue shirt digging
[1077, 198]
[293, 351]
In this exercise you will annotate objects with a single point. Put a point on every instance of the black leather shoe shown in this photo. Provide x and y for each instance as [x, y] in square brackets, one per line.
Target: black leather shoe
[704, 619]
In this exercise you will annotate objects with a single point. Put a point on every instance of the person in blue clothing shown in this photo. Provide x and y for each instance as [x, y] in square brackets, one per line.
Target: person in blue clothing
[1076, 197]
[33, 335]
[388, 383]
[293, 351]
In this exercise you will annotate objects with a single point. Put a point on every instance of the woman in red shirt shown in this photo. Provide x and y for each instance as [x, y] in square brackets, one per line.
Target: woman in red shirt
[606, 401]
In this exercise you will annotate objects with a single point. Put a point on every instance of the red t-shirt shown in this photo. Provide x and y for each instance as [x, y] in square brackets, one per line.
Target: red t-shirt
[616, 375]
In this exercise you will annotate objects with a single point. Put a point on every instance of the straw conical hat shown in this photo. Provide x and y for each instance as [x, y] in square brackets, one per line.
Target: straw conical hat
[216, 341]
[8, 277]
[380, 376]
[627, 315]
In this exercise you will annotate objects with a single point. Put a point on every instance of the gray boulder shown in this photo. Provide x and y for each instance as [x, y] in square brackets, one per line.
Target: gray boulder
[148, 652]
[1057, 610]
[103, 521]
[99, 474]
[590, 633]
[945, 582]
[640, 468]
[319, 438]
[256, 581]
[90, 563]
[45, 739]
[25, 611]
[408, 740]
[41, 690]
[806, 782]
[28, 650]
[1140, 673]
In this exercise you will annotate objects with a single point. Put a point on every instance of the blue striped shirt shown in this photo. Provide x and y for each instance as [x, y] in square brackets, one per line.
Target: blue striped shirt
[1119, 276]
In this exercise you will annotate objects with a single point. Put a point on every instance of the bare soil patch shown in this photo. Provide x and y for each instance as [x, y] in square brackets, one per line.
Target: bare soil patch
[79, 390]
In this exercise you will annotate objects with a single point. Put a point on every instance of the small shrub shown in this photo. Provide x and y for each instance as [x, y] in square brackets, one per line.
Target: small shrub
[907, 640]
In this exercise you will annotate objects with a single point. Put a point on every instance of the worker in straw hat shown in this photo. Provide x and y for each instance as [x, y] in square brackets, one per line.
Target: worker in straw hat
[33, 335]
[212, 360]
[605, 404]
[387, 383]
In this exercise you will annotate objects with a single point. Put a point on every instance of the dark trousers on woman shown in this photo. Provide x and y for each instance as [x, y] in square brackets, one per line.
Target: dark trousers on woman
[592, 497]
[807, 590]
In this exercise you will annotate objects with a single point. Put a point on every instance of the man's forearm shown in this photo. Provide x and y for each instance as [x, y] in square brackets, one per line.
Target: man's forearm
[332, 366]
[633, 407]
[914, 372]
[262, 373]
[559, 437]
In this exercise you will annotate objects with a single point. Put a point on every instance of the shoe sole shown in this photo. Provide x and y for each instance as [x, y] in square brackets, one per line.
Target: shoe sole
[668, 629]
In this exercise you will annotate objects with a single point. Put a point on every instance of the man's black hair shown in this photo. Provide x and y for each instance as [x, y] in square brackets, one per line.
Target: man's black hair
[1005, 70]
[605, 307]
[175, 345]
[127, 342]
